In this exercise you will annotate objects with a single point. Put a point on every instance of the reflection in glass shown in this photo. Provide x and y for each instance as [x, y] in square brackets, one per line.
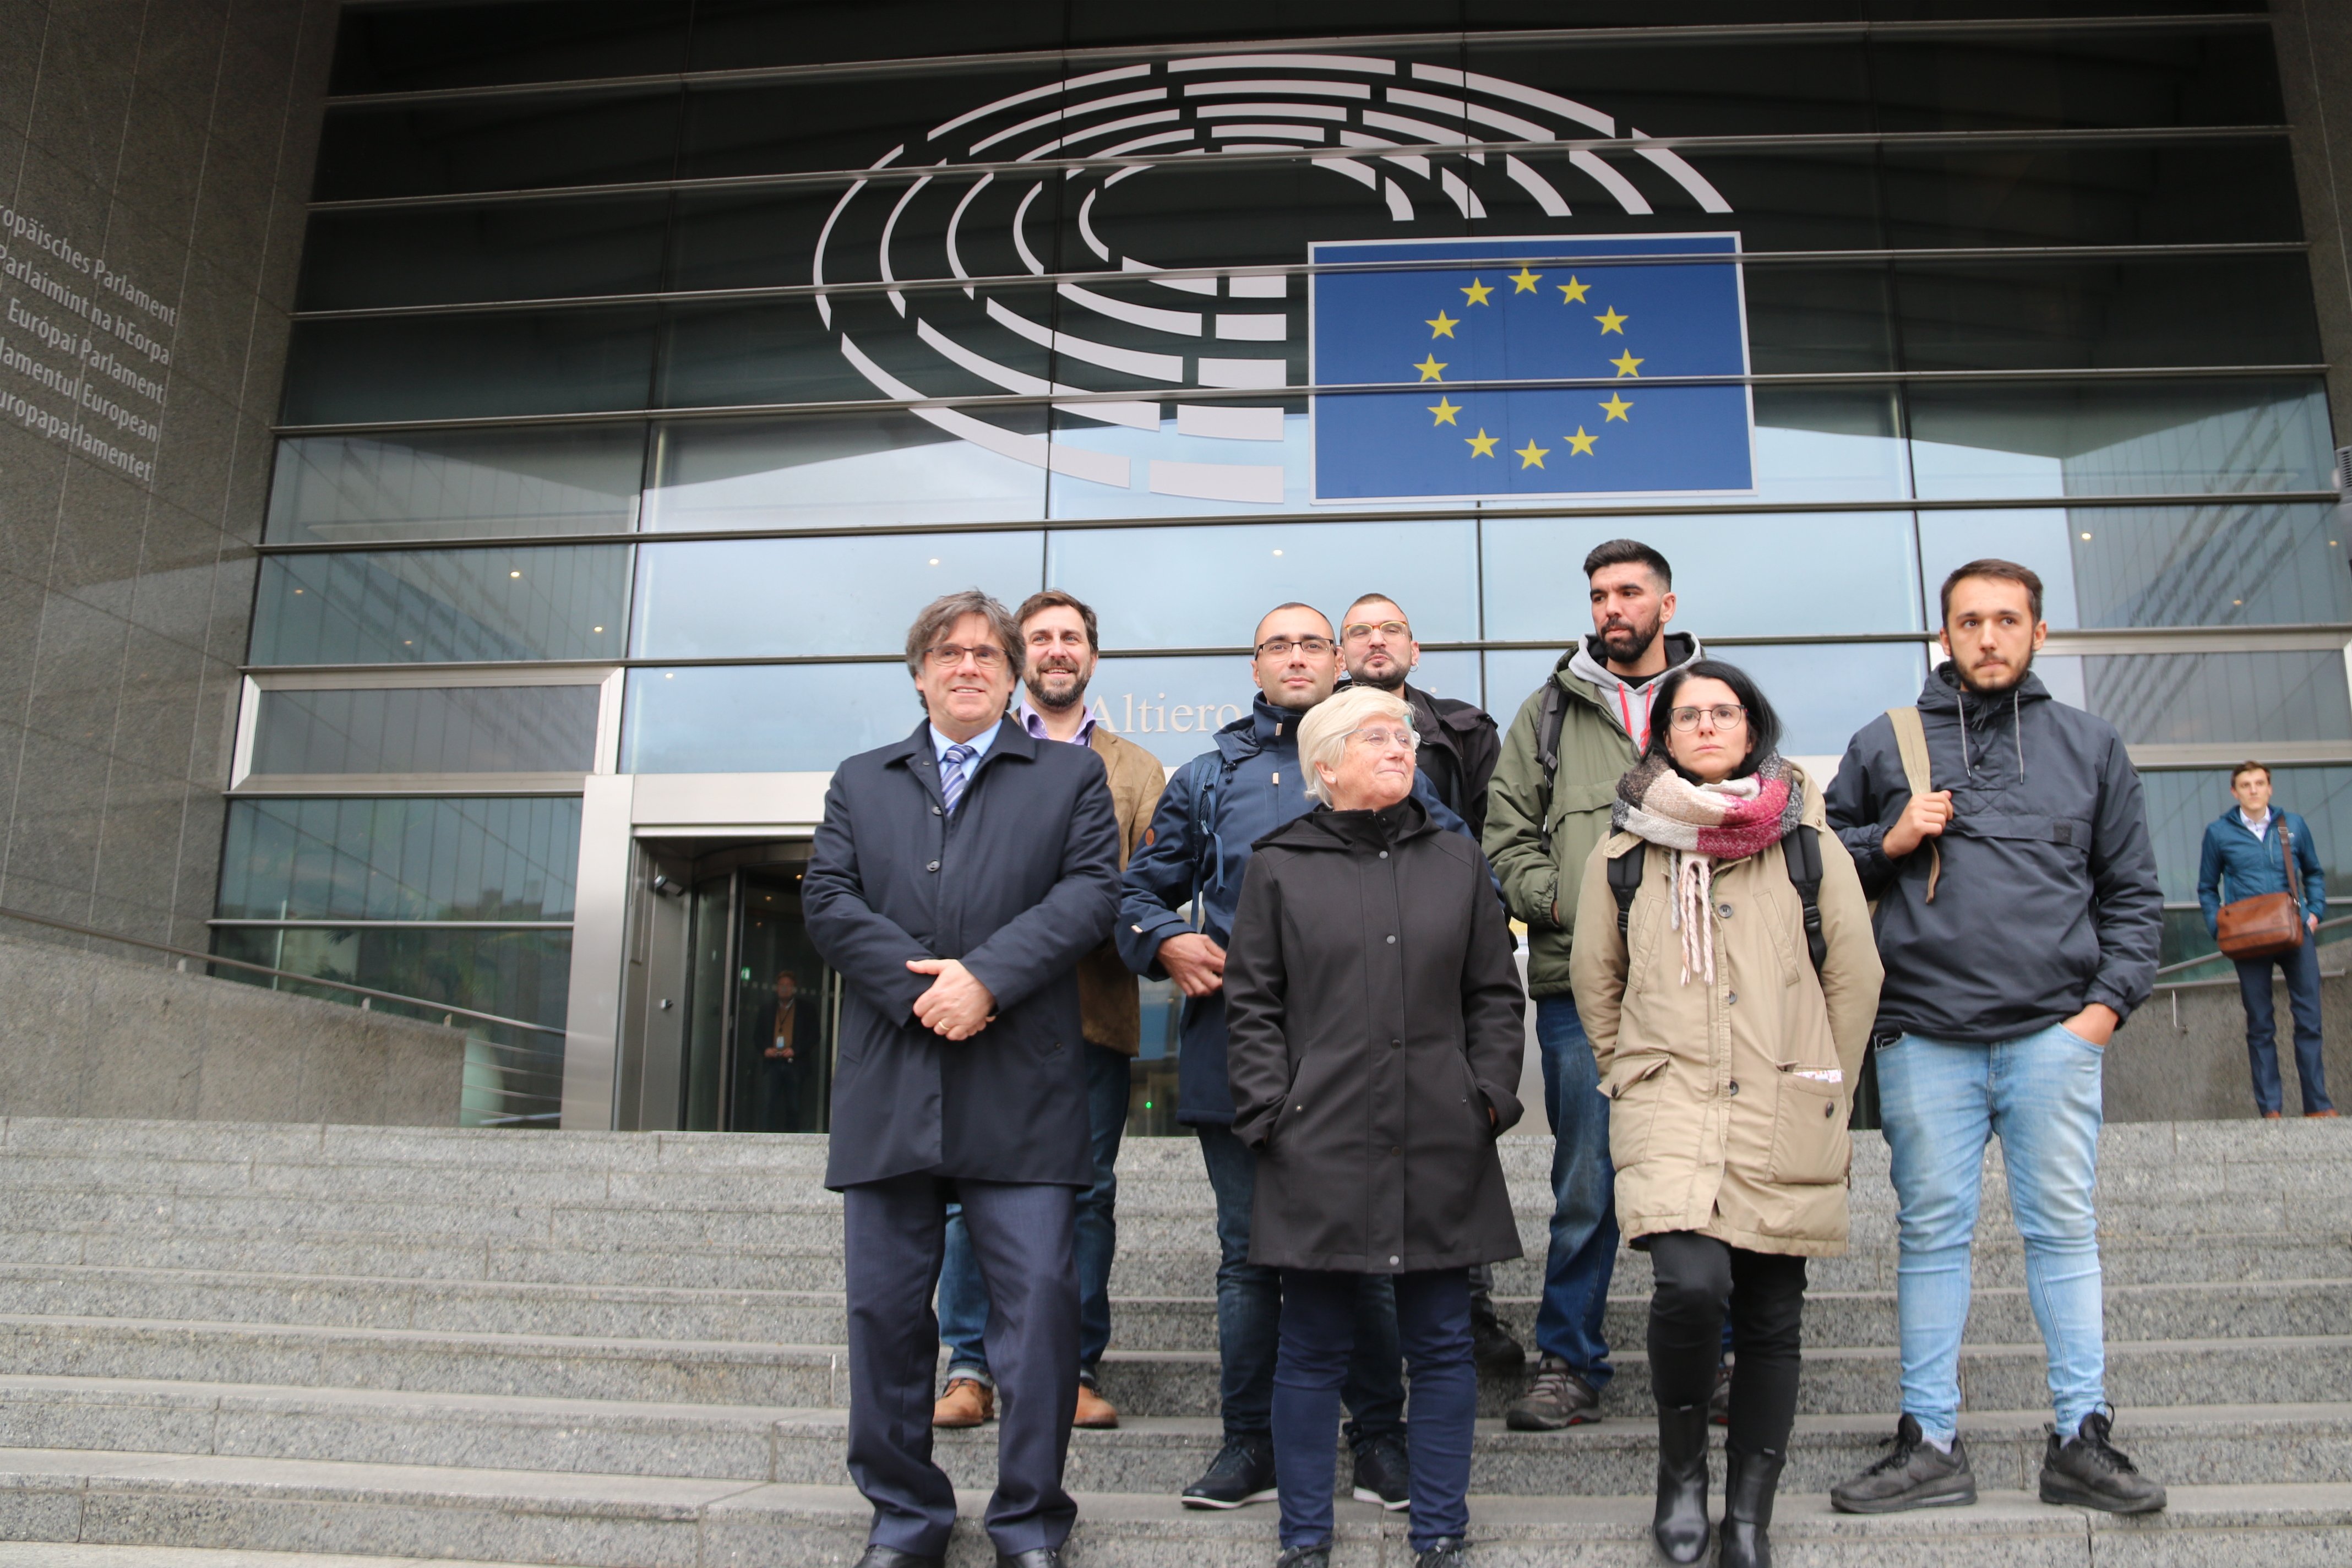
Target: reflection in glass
[458, 367]
[406, 49]
[2116, 440]
[730, 598]
[435, 255]
[1852, 574]
[1172, 706]
[454, 146]
[458, 484]
[2002, 316]
[427, 730]
[1207, 587]
[853, 470]
[411, 606]
[1823, 691]
[401, 859]
[761, 719]
[2229, 564]
[2188, 699]
[513, 1078]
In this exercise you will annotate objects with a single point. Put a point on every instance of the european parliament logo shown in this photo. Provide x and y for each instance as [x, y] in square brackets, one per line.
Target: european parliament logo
[1485, 336]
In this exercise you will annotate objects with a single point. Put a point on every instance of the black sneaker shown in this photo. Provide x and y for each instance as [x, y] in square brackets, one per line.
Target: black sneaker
[1445, 1551]
[1555, 1399]
[1493, 1351]
[1384, 1474]
[2088, 1471]
[1242, 1473]
[1718, 1404]
[1910, 1474]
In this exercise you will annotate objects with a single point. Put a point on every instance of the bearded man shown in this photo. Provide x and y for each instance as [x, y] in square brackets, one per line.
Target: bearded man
[1060, 642]
[1546, 806]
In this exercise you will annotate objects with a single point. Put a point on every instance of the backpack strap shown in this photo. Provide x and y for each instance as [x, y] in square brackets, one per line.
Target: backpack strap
[1911, 745]
[1549, 719]
[1624, 881]
[1207, 852]
[1803, 851]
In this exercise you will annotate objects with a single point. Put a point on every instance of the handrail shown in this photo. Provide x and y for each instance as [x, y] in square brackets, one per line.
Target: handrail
[444, 1008]
[2217, 957]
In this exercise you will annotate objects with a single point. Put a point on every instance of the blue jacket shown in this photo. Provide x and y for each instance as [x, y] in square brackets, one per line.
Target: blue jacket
[1215, 809]
[2253, 867]
[1020, 884]
[2048, 899]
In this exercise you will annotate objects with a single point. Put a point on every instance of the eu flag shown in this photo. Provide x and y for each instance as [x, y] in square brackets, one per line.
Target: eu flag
[1483, 312]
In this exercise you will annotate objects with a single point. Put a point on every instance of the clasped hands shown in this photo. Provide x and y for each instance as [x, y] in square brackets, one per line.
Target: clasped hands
[957, 1006]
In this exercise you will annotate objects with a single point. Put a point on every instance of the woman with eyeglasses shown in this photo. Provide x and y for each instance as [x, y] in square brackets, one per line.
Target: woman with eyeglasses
[1374, 1020]
[1728, 1041]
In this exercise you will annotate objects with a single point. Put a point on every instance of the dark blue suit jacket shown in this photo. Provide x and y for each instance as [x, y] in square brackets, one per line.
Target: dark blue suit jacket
[1020, 884]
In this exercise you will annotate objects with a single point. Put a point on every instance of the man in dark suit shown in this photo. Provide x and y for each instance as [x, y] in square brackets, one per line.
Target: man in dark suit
[784, 1034]
[959, 877]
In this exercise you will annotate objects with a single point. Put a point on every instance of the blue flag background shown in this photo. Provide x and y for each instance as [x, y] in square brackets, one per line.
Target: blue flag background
[1482, 313]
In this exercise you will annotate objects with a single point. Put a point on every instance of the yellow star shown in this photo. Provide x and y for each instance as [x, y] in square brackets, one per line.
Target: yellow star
[1616, 407]
[1477, 291]
[1531, 455]
[1581, 445]
[1613, 321]
[1428, 369]
[1445, 409]
[1525, 280]
[1627, 365]
[1481, 445]
[1444, 326]
[1571, 293]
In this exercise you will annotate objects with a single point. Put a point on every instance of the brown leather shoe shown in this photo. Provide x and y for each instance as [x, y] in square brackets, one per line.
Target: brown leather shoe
[2318, 1115]
[967, 1402]
[2269, 1116]
[1094, 1410]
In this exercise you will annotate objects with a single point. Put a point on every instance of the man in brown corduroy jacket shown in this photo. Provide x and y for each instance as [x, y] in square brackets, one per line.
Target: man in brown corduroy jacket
[1062, 643]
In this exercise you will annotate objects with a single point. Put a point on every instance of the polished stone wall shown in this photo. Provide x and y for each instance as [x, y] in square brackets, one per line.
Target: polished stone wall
[155, 158]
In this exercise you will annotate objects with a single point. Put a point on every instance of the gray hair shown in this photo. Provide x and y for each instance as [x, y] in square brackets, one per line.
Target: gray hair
[939, 616]
[1323, 734]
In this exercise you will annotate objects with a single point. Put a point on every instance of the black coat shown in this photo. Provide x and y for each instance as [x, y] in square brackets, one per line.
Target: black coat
[1020, 884]
[1459, 749]
[1374, 1014]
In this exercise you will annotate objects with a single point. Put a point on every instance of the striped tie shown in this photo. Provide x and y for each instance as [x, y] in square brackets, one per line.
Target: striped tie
[951, 779]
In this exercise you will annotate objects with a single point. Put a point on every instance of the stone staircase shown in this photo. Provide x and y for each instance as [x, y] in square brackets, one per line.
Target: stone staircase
[218, 1343]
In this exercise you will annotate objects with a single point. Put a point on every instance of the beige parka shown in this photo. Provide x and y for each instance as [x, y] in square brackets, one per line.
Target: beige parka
[1728, 1102]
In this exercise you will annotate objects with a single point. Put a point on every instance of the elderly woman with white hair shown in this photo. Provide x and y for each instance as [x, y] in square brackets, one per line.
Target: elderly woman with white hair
[1375, 1020]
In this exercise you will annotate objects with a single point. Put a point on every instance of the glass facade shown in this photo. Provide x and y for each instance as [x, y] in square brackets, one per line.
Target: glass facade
[661, 365]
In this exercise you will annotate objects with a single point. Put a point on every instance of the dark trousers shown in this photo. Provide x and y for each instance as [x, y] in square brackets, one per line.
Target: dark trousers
[1249, 1316]
[894, 1234]
[1318, 1334]
[2301, 970]
[963, 1303]
[1700, 1279]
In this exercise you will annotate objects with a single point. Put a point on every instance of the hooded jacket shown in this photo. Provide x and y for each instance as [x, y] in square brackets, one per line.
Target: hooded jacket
[2048, 900]
[1215, 807]
[1728, 1099]
[1594, 752]
[2251, 866]
[1376, 1019]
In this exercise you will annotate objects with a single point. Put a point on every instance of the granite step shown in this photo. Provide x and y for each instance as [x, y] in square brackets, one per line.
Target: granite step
[2215, 1445]
[75, 1555]
[189, 1502]
[1832, 1317]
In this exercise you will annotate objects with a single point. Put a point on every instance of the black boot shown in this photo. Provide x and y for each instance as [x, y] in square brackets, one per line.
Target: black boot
[1681, 1523]
[1749, 1484]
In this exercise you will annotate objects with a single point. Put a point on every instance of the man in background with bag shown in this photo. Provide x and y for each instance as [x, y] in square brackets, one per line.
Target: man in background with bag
[2278, 895]
[2018, 919]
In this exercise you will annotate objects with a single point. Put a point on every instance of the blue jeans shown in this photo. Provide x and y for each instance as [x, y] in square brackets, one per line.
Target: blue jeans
[963, 1300]
[1583, 1253]
[1941, 1103]
[2301, 970]
[1249, 1316]
[1319, 1312]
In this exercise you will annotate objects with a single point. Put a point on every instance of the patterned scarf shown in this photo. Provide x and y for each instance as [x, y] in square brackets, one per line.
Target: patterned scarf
[1700, 825]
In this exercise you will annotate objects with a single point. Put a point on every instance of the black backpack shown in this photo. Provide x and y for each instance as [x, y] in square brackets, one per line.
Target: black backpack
[1801, 850]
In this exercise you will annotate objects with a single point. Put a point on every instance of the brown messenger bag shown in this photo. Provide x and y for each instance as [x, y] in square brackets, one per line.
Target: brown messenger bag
[2269, 925]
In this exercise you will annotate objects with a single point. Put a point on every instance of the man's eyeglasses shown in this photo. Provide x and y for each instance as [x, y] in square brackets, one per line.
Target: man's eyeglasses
[1280, 648]
[948, 654]
[1725, 715]
[1383, 739]
[1362, 630]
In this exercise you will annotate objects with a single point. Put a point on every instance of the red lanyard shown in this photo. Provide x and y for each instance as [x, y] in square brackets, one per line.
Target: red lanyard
[1642, 742]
